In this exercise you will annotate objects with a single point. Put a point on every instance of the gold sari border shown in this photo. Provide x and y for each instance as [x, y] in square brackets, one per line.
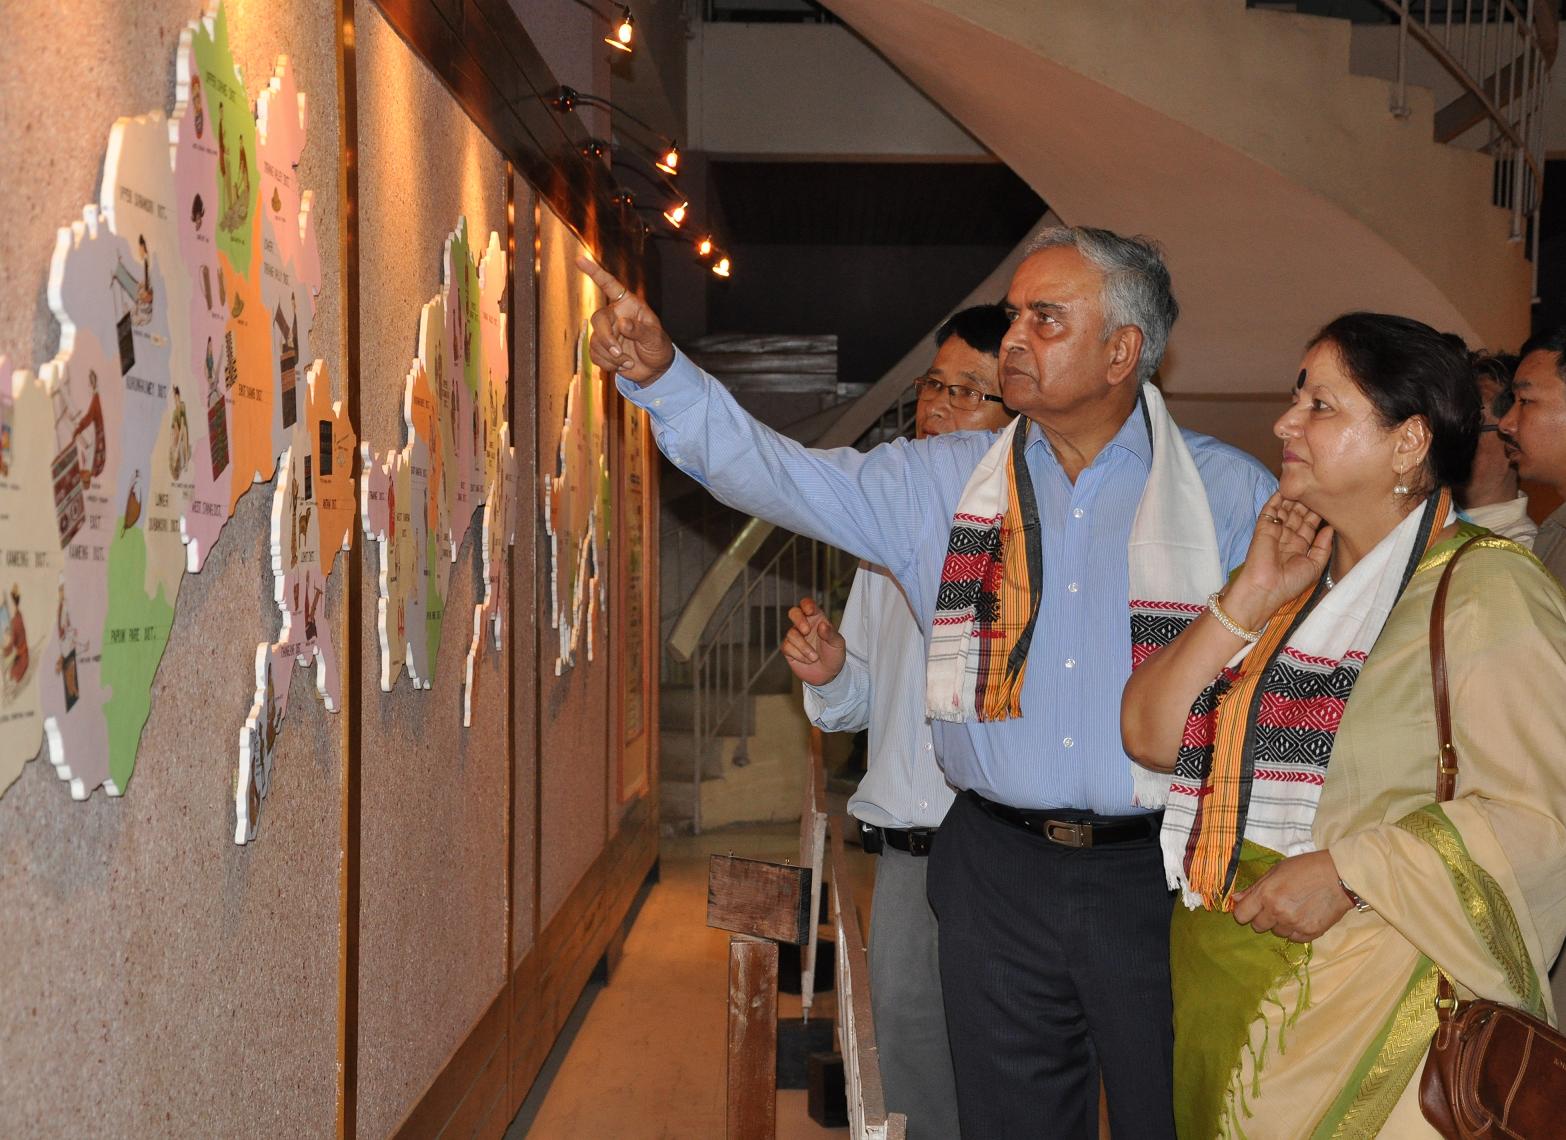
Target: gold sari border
[1488, 910]
[1377, 1082]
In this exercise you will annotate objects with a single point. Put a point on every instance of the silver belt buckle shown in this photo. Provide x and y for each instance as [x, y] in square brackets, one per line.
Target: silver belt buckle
[1068, 834]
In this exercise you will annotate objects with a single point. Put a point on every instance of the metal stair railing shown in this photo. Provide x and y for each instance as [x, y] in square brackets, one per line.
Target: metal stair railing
[723, 645]
[1500, 52]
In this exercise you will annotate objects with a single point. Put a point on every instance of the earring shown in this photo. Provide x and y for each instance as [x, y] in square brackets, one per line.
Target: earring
[1402, 487]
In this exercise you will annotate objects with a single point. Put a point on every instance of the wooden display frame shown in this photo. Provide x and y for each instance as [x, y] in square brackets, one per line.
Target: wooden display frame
[480, 51]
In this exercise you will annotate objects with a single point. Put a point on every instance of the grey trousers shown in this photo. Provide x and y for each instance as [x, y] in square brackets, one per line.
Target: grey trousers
[905, 996]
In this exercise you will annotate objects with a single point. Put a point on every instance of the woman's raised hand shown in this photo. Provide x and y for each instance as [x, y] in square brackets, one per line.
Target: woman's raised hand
[1289, 550]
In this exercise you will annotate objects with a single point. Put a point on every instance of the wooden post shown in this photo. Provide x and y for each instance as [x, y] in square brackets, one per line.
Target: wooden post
[868, 1118]
[753, 1019]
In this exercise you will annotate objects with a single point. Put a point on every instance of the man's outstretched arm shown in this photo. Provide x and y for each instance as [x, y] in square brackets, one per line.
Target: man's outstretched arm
[873, 505]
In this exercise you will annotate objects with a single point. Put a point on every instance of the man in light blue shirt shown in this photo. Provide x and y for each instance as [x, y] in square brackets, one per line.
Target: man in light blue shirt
[872, 676]
[1048, 879]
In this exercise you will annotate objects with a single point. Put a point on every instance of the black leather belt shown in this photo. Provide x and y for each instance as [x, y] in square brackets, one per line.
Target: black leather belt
[1074, 828]
[914, 840]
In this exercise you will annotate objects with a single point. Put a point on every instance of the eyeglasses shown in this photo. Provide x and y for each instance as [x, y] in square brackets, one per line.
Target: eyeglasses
[965, 398]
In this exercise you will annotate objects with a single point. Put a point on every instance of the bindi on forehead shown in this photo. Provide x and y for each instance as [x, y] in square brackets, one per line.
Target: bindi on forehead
[1299, 381]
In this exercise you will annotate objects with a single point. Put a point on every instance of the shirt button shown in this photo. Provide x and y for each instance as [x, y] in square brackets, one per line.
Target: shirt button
[1073, 587]
[1071, 663]
[928, 747]
[1067, 743]
[923, 804]
[1077, 513]
[658, 403]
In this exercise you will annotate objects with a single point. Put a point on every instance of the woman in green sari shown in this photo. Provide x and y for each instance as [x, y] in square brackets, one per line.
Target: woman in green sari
[1324, 886]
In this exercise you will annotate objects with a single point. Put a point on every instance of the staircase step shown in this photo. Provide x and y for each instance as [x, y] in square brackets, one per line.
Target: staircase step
[676, 803]
[677, 758]
[677, 712]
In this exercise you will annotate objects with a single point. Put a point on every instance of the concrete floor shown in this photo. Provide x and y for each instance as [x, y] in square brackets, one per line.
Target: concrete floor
[644, 1056]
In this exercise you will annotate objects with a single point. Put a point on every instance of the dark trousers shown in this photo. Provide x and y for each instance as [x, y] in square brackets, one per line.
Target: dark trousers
[1055, 969]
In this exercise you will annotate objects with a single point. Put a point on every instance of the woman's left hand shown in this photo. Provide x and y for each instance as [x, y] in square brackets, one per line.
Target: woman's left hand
[1299, 899]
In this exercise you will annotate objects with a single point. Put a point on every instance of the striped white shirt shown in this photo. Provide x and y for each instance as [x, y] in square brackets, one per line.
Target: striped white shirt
[881, 687]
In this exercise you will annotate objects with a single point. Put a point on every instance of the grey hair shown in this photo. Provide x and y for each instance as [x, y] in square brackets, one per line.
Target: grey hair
[1136, 284]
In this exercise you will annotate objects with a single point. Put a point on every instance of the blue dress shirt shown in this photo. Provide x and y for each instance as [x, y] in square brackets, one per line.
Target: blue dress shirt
[893, 506]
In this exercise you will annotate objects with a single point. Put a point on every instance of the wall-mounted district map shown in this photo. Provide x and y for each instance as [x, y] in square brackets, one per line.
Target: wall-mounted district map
[578, 495]
[419, 501]
[186, 299]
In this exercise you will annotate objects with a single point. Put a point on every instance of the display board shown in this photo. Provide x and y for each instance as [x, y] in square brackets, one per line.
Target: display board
[186, 302]
[434, 769]
[188, 445]
[575, 695]
[636, 614]
[144, 950]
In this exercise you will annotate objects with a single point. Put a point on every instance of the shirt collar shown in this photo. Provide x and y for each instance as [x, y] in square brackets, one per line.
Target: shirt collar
[1134, 436]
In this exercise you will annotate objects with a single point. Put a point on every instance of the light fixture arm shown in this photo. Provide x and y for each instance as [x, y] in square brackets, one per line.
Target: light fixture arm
[657, 180]
[565, 98]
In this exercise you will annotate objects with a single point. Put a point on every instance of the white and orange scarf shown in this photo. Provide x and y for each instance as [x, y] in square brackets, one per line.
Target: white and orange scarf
[991, 581]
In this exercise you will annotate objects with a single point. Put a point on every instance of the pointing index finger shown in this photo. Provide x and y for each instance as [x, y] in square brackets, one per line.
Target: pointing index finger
[601, 277]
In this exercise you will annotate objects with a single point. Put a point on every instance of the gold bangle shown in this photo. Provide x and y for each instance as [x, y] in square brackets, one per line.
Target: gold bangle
[1250, 635]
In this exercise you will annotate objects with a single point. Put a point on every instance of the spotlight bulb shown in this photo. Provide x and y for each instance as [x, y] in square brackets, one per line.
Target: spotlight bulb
[624, 31]
[675, 215]
[722, 267]
[670, 162]
[704, 248]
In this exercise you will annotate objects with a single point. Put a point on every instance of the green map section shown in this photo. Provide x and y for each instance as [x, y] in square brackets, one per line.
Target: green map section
[135, 633]
[230, 127]
[467, 306]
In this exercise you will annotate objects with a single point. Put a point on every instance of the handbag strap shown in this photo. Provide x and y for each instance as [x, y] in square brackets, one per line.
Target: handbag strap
[1446, 758]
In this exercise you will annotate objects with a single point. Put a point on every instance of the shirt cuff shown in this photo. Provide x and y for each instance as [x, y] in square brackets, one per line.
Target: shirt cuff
[834, 690]
[682, 386]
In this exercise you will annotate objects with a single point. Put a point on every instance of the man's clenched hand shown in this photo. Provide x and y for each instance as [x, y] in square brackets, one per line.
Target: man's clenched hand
[812, 647]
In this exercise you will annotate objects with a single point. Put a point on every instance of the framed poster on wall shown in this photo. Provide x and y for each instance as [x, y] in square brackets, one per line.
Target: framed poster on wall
[637, 599]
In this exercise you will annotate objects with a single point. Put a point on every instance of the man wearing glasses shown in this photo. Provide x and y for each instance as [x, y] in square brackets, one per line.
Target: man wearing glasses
[871, 675]
[1492, 497]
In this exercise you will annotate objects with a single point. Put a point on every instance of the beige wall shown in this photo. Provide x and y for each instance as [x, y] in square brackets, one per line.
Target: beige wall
[810, 90]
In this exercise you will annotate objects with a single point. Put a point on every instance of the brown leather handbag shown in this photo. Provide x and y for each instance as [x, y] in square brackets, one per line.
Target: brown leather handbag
[1493, 1070]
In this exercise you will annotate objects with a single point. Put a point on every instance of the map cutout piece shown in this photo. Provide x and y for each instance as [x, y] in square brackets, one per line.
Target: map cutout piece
[496, 464]
[290, 258]
[109, 388]
[312, 519]
[29, 566]
[419, 502]
[185, 304]
[576, 514]
[207, 346]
